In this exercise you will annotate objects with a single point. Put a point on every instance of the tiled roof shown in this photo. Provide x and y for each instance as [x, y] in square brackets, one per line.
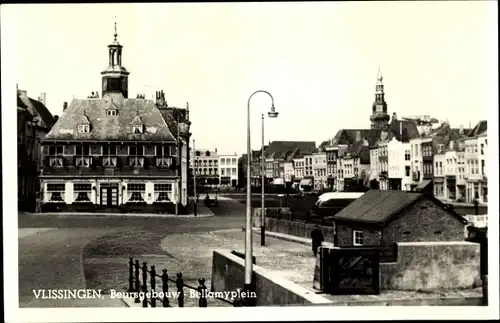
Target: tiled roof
[171, 115]
[377, 206]
[104, 127]
[403, 130]
[480, 129]
[283, 149]
[349, 136]
[33, 105]
[359, 149]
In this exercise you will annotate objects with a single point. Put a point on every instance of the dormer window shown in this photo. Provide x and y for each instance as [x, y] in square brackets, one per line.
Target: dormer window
[111, 112]
[137, 129]
[83, 128]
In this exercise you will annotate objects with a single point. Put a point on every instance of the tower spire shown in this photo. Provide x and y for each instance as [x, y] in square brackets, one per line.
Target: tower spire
[116, 33]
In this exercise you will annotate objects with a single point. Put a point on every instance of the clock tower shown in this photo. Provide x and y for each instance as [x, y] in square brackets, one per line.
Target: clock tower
[115, 77]
[379, 118]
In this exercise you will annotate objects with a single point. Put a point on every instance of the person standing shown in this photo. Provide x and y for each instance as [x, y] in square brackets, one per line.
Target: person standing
[317, 239]
[476, 204]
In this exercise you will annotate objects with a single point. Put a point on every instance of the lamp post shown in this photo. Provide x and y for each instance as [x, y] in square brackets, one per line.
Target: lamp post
[271, 114]
[248, 228]
[194, 180]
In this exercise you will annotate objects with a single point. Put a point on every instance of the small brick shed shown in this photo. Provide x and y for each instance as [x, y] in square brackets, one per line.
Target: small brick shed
[384, 217]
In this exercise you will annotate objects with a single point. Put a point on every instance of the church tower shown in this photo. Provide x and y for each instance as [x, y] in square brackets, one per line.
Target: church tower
[379, 118]
[115, 77]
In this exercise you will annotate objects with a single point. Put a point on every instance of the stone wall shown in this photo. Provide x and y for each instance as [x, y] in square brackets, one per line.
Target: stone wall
[295, 228]
[433, 266]
[228, 272]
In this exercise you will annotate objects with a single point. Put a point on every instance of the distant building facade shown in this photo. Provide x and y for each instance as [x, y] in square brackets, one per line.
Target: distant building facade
[206, 166]
[228, 170]
[34, 121]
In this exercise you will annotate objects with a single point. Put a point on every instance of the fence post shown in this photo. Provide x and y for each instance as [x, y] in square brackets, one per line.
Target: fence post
[131, 275]
[137, 282]
[202, 289]
[180, 289]
[153, 286]
[164, 279]
[144, 283]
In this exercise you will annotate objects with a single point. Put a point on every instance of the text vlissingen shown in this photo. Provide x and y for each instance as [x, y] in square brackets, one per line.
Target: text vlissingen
[67, 293]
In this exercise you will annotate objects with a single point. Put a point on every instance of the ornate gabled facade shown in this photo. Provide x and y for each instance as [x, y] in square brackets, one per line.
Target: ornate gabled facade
[117, 153]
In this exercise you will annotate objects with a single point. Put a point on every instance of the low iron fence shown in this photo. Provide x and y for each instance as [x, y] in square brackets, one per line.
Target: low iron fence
[150, 276]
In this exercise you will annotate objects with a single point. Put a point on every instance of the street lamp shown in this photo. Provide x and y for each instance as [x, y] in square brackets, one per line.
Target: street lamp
[271, 114]
[248, 229]
[194, 180]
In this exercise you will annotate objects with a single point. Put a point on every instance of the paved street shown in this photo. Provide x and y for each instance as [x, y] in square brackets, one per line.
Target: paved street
[63, 254]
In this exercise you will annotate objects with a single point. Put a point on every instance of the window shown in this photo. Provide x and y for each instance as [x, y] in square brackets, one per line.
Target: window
[55, 192]
[357, 238]
[482, 167]
[109, 153]
[111, 112]
[162, 192]
[82, 192]
[482, 149]
[82, 150]
[407, 170]
[83, 128]
[136, 192]
[137, 129]
[163, 158]
[198, 153]
[233, 161]
[55, 156]
[407, 154]
[136, 154]
[82, 153]
[234, 171]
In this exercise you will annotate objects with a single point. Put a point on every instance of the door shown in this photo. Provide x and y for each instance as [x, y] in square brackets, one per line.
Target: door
[109, 196]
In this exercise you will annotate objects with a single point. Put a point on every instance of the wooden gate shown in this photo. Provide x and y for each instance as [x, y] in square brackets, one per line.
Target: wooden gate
[349, 271]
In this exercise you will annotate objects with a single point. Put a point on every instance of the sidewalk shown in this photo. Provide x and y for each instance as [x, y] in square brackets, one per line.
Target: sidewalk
[203, 212]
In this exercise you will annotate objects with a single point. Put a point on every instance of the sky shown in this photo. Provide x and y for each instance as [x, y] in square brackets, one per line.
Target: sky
[319, 60]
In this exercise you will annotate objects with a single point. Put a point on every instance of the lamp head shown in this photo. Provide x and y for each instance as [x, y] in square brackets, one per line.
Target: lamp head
[272, 113]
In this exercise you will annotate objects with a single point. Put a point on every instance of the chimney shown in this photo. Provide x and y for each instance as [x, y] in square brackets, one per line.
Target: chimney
[394, 116]
[358, 136]
[401, 129]
[42, 98]
[65, 106]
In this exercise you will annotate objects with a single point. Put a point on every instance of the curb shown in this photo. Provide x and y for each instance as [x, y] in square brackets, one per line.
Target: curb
[145, 215]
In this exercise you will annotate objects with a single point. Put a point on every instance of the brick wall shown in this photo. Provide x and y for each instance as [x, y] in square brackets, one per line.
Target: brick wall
[422, 222]
[345, 234]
